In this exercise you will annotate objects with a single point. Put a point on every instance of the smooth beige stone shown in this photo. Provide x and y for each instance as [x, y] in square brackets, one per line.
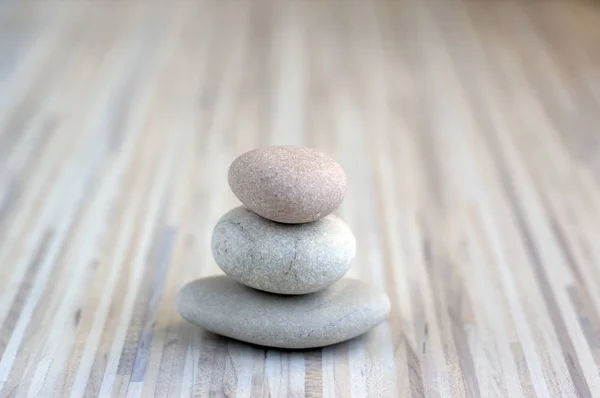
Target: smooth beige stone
[344, 310]
[288, 184]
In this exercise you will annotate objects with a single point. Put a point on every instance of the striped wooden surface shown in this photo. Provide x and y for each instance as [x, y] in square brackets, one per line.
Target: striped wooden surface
[470, 132]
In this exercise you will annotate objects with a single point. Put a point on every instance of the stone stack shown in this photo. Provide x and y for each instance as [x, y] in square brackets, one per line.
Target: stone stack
[284, 254]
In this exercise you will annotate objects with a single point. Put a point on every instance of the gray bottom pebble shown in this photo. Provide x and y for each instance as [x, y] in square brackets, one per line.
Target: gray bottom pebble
[344, 310]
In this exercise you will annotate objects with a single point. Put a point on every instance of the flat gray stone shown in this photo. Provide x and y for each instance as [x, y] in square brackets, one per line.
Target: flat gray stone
[282, 258]
[345, 310]
[288, 184]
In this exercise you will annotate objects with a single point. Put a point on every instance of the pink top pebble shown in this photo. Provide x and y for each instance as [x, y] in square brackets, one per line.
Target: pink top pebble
[288, 184]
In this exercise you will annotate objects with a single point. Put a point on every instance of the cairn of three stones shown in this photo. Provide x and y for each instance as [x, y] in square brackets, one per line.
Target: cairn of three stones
[284, 255]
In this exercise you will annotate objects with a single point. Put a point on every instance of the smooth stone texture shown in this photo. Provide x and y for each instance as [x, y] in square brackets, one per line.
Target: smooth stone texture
[345, 310]
[282, 258]
[288, 184]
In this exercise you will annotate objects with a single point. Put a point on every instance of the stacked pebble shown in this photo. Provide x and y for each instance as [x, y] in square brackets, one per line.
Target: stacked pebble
[284, 254]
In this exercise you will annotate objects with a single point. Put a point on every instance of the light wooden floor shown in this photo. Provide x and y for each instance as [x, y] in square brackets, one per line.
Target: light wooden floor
[470, 132]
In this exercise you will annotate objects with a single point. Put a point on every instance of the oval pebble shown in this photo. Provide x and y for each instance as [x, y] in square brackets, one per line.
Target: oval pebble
[345, 310]
[288, 184]
[282, 258]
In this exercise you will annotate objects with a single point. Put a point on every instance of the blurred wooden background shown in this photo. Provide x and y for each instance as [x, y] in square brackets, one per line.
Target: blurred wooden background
[470, 132]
